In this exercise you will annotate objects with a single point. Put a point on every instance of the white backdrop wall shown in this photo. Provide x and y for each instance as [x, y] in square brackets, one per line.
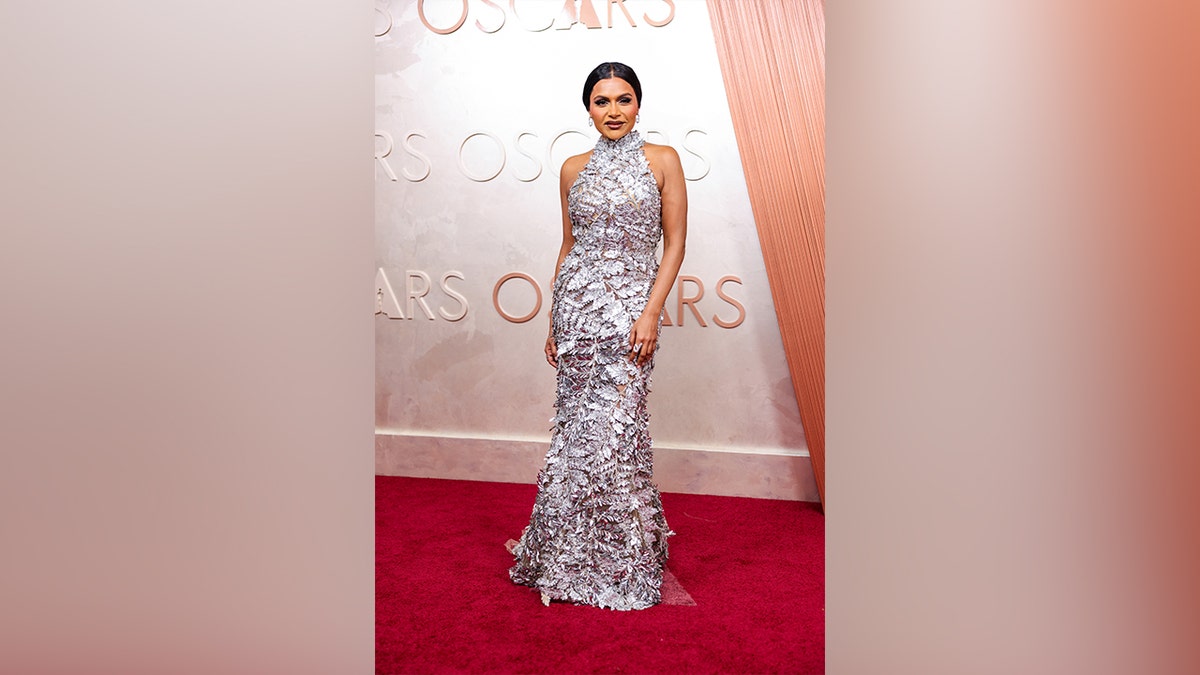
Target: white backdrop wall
[477, 105]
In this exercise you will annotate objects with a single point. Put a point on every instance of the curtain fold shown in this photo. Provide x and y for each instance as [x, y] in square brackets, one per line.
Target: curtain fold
[772, 56]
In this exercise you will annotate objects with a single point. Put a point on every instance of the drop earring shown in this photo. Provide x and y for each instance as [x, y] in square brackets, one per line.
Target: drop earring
[590, 123]
[638, 119]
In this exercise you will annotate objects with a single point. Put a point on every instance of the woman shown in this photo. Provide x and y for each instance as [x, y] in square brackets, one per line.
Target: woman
[597, 535]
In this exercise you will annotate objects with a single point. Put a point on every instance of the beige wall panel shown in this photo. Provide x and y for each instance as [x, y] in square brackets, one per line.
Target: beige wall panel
[472, 126]
[746, 473]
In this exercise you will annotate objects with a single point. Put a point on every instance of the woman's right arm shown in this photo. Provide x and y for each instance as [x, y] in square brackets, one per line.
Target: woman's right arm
[570, 171]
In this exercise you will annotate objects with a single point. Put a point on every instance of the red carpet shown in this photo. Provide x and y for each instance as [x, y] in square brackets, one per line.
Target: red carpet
[754, 569]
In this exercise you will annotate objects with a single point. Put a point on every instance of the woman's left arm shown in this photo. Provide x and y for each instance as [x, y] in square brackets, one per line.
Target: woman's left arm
[674, 224]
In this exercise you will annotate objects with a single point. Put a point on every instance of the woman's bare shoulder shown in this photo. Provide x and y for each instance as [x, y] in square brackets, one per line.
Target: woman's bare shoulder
[660, 153]
[575, 163]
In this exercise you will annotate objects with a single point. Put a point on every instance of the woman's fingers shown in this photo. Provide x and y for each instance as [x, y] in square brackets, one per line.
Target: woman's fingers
[641, 348]
[647, 351]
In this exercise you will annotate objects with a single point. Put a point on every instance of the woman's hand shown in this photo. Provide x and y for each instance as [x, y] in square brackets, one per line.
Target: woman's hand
[551, 351]
[643, 339]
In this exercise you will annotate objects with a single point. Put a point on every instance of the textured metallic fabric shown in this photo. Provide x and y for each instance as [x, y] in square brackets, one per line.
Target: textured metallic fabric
[597, 534]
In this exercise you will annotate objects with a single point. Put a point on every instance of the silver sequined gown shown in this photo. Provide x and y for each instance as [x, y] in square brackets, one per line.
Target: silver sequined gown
[597, 534]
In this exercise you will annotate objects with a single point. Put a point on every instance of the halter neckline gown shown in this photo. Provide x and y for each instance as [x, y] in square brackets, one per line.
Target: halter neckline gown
[597, 534]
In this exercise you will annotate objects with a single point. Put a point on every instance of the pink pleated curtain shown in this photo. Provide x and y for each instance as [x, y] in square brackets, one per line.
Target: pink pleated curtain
[772, 55]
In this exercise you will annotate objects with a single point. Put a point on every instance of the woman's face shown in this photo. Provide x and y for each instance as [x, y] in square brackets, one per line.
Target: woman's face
[613, 107]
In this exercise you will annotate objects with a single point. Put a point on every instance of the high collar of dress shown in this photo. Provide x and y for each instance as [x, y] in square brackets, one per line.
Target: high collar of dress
[626, 143]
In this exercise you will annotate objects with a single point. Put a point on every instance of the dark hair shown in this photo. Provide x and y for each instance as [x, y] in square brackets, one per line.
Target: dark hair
[607, 70]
